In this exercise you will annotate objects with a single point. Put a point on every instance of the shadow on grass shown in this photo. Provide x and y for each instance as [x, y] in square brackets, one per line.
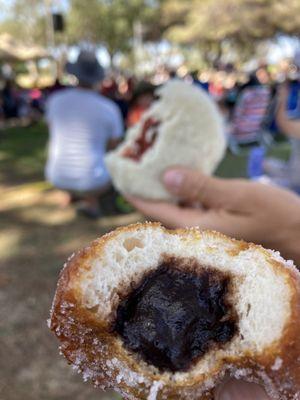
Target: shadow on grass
[38, 237]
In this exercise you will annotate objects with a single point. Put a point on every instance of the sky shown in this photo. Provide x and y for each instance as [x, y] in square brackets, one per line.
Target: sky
[57, 5]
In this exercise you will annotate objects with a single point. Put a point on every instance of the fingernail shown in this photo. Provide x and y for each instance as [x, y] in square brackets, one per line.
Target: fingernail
[173, 179]
[225, 395]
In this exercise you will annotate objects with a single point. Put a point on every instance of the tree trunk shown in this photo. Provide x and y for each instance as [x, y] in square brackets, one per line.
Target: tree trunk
[111, 55]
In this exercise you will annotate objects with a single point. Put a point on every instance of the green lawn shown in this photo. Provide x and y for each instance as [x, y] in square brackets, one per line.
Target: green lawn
[23, 153]
[236, 166]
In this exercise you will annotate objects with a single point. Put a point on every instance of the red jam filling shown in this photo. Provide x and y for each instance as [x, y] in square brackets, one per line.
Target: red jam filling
[144, 141]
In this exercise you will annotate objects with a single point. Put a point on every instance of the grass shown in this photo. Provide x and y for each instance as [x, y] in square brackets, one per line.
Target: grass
[23, 155]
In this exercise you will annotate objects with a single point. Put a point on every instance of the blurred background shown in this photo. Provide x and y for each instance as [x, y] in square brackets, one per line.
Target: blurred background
[240, 51]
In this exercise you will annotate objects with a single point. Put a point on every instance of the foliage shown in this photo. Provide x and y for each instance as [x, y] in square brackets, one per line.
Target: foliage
[212, 25]
[107, 22]
[111, 23]
[242, 23]
[25, 20]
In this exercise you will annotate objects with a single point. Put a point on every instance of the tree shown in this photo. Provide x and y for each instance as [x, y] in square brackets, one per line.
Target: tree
[110, 23]
[241, 23]
[107, 22]
[24, 20]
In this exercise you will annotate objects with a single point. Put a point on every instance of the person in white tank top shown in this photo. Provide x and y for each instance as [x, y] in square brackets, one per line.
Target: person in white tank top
[82, 125]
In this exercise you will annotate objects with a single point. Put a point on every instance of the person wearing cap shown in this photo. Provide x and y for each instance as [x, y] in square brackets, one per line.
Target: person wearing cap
[82, 125]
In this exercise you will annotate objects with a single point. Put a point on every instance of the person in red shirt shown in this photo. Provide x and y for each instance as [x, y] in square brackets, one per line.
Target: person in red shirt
[142, 98]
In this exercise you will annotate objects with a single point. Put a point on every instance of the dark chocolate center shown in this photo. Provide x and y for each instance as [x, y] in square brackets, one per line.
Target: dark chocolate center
[173, 317]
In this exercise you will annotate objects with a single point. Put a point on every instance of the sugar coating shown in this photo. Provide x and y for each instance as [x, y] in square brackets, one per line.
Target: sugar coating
[156, 386]
[277, 364]
[125, 374]
[129, 254]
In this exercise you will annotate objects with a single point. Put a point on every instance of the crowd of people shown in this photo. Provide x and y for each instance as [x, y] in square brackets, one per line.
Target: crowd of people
[87, 119]
[17, 104]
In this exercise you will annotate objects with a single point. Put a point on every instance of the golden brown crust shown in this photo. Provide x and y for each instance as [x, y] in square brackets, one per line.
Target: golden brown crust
[87, 343]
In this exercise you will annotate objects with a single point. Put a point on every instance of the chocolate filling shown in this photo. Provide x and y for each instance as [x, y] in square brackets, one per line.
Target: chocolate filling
[174, 317]
[144, 141]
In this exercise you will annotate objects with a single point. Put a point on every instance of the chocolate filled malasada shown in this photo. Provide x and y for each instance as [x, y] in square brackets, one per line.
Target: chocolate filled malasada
[174, 317]
[158, 314]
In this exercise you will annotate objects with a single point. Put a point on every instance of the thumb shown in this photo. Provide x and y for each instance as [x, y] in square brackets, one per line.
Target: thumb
[239, 390]
[192, 185]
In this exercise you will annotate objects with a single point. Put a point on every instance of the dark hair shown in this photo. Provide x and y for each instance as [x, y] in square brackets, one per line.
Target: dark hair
[142, 88]
[85, 85]
[253, 80]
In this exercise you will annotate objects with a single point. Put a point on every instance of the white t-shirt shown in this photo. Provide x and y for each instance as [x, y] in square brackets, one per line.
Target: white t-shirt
[81, 122]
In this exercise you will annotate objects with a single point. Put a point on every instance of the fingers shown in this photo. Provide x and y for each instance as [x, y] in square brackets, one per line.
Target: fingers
[173, 216]
[170, 215]
[283, 92]
[239, 390]
[190, 185]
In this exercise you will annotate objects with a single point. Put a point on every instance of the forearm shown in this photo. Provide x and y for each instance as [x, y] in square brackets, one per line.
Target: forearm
[293, 249]
[289, 127]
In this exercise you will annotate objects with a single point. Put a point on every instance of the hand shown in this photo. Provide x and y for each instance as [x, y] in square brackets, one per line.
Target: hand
[282, 94]
[264, 214]
[238, 390]
[255, 212]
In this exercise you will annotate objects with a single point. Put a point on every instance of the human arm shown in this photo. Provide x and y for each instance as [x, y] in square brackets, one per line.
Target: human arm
[289, 127]
[238, 390]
